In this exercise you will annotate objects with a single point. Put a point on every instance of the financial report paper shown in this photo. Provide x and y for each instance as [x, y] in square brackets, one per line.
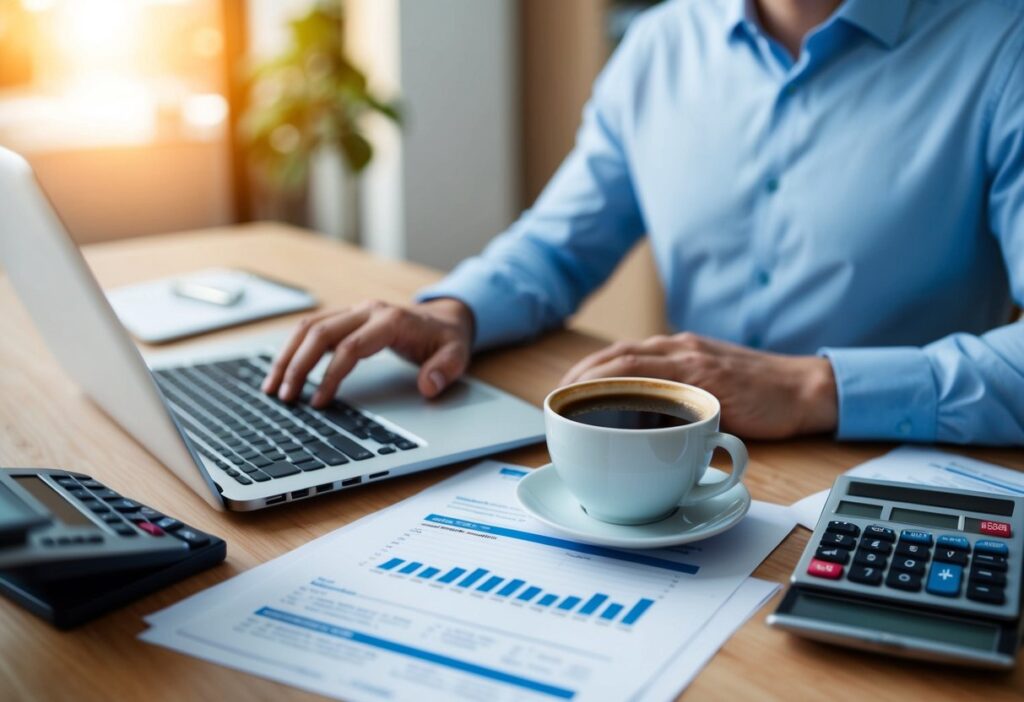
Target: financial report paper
[456, 593]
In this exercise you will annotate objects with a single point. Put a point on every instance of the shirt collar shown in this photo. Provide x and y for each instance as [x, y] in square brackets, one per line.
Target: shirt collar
[882, 19]
[739, 17]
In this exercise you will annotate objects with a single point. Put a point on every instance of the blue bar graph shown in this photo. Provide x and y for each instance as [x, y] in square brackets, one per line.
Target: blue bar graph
[451, 575]
[529, 593]
[500, 586]
[593, 603]
[489, 584]
[472, 577]
[638, 609]
[568, 603]
[512, 586]
[611, 611]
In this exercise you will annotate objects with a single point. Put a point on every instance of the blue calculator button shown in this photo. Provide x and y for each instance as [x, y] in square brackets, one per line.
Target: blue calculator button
[916, 537]
[996, 548]
[958, 543]
[944, 579]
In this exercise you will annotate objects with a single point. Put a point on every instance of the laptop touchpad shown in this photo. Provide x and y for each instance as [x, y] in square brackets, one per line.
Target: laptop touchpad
[387, 381]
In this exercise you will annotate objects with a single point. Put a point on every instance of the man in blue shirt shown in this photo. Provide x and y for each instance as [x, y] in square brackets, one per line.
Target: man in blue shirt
[834, 194]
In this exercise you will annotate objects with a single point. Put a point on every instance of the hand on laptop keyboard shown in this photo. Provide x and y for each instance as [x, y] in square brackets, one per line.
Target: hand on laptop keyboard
[437, 334]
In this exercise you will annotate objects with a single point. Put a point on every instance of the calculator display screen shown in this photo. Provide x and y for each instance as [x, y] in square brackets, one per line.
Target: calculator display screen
[931, 498]
[859, 509]
[51, 500]
[901, 622]
[928, 519]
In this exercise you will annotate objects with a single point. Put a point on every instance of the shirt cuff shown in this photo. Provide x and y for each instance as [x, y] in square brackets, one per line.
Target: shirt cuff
[884, 393]
[498, 316]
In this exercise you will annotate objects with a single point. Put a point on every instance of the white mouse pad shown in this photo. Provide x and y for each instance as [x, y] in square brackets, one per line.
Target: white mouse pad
[155, 313]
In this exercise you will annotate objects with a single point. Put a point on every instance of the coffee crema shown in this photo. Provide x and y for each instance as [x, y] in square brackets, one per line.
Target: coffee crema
[628, 411]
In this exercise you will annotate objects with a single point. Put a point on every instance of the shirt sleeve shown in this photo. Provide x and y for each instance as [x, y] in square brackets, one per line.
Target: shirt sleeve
[533, 276]
[961, 388]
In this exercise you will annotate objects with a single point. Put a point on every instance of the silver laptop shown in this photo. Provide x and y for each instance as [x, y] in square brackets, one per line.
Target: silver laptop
[200, 411]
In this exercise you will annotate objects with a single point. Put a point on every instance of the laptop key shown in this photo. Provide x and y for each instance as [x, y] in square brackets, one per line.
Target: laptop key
[328, 455]
[405, 444]
[382, 435]
[350, 448]
[280, 469]
[259, 476]
[311, 464]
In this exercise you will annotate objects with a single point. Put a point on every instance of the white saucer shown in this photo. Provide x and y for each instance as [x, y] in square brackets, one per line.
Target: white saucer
[543, 494]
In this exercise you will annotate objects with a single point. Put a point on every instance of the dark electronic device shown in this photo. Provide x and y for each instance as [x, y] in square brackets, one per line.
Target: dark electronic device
[72, 549]
[921, 572]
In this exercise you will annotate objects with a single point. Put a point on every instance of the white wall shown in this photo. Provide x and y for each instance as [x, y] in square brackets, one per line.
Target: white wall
[449, 183]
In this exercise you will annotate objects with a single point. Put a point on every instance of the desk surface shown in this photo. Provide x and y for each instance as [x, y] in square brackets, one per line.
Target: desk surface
[46, 421]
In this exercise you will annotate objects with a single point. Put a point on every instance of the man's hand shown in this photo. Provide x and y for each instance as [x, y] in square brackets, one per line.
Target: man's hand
[763, 395]
[438, 335]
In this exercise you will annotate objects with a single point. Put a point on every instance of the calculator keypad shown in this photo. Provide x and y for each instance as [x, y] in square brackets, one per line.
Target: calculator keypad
[909, 563]
[119, 513]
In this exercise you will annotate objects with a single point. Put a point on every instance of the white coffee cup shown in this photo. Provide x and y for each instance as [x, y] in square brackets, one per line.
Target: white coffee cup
[637, 476]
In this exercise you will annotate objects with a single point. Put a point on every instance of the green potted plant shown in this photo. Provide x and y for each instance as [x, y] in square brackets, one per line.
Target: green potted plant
[303, 125]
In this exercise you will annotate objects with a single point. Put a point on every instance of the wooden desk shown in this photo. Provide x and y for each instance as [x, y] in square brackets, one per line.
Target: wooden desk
[45, 421]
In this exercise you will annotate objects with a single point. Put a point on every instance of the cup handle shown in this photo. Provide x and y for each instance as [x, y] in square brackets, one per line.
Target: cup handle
[738, 453]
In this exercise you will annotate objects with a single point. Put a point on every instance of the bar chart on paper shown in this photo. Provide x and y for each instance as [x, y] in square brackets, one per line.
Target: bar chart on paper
[481, 580]
[621, 589]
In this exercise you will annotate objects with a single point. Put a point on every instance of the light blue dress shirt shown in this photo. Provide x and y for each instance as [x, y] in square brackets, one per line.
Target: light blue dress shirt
[864, 201]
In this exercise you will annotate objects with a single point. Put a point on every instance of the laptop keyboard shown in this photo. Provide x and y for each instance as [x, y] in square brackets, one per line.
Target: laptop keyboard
[252, 436]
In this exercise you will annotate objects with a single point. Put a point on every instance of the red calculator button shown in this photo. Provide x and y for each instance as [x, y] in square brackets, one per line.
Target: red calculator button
[150, 528]
[1000, 529]
[824, 569]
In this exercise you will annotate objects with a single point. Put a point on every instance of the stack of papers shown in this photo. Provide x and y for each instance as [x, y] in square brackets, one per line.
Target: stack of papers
[456, 593]
[922, 466]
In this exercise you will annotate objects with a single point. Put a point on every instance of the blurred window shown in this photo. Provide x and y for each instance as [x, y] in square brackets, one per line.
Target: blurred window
[100, 73]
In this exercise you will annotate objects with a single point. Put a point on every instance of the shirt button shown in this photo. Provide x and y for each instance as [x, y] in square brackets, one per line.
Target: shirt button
[771, 185]
[904, 427]
[763, 278]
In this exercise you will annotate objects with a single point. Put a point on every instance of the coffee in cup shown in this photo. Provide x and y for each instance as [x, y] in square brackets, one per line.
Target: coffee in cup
[632, 450]
[628, 411]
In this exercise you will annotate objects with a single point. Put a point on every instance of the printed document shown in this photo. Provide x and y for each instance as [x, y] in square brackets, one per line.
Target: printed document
[456, 593]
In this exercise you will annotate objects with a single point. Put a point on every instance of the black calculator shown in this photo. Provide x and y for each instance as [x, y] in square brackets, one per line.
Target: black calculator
[922, 572]
[71, 548]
